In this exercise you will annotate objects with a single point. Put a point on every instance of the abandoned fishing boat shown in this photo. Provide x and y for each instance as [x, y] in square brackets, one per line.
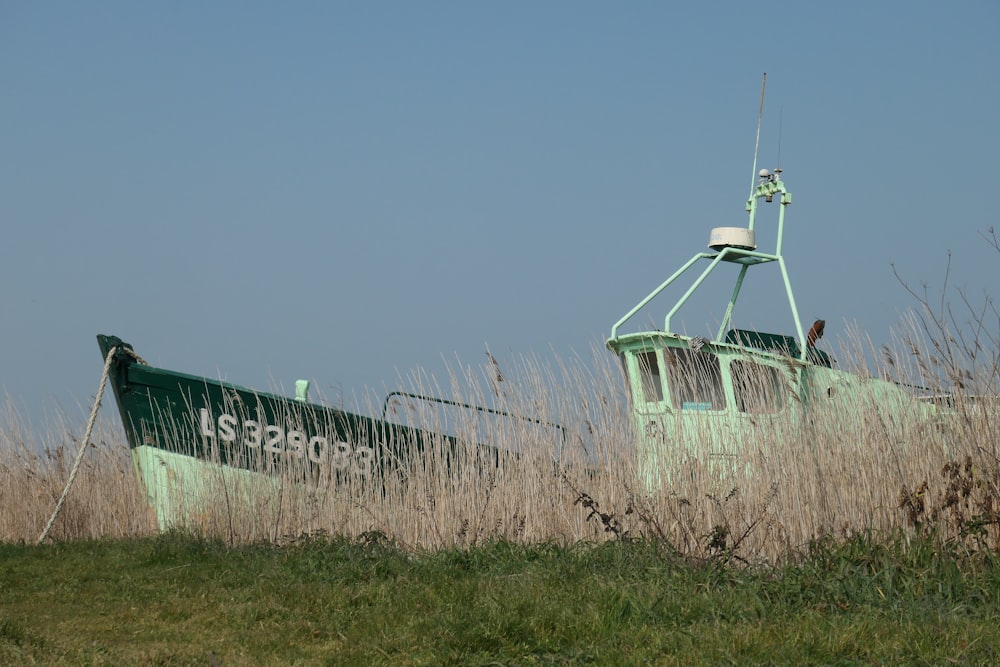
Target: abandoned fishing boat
[706, 399]
[186, 433]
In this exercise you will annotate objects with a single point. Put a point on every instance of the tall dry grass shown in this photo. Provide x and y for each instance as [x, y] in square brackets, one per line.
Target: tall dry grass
[105, 501]
[791, 485]
[839, 473]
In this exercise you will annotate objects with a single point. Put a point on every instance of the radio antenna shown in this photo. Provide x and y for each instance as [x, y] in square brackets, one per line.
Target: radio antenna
[781, 113]
[760, 116]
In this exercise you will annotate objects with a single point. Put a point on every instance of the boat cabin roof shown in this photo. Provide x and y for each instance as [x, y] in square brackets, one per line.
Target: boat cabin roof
[771, 342]
[736, 340]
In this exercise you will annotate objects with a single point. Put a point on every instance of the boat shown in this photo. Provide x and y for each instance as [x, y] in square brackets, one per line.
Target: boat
[187, 433]
[707, 398]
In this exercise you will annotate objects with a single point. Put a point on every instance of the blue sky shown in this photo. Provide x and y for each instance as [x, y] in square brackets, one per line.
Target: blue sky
[348, 191]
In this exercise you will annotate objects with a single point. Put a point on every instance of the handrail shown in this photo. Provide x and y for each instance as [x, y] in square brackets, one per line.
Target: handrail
[721, 256]
[770, 186]
[716, 257]
[639, 306]
[444, 401]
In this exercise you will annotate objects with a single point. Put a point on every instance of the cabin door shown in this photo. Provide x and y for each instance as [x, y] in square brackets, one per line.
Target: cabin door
[680, 411]
[700, 412]
[650, 414]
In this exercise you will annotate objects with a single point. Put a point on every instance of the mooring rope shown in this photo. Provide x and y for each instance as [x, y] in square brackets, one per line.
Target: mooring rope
[83, 445]
[131, 353]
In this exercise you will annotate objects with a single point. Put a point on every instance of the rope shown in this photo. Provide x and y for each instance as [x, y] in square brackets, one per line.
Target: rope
[135, 356]
[83, 445]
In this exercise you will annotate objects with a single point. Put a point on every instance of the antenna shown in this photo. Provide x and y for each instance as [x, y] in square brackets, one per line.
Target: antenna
[781, 114]
[760, 116]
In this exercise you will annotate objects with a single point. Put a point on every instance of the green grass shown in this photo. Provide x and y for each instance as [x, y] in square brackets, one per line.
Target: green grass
[175, 600]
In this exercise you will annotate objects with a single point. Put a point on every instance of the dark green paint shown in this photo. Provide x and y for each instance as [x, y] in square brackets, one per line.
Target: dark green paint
[162, 409]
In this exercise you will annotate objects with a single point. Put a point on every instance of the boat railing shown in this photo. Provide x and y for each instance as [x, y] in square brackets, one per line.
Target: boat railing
[740, 250]
[733, 255]
[468, 406]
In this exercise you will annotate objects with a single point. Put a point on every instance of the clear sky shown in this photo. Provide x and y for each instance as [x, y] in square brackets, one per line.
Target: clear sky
[348, 191]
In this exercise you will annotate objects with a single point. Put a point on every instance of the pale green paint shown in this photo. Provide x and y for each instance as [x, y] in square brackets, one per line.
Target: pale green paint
[744, 257]
[182, 490]
[302, 390]
[714, 429]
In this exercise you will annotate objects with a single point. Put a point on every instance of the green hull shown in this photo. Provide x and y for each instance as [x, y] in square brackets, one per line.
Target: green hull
[188, 432]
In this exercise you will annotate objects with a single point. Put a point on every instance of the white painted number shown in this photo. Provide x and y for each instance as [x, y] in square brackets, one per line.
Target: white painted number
[275, 440]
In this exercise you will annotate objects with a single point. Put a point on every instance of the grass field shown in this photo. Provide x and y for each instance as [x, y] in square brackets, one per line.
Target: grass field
[176, 600]
[859, 539]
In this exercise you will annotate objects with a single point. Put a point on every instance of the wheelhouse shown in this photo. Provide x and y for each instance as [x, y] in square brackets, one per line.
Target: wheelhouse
[678, 376]
[712, 398]
[704, 397]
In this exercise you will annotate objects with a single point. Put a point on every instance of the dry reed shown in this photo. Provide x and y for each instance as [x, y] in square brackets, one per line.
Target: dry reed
[106, 499]
[873, 469]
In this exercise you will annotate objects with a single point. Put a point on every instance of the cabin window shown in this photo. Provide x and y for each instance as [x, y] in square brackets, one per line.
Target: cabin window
[694, 379]
[649, 374]
[759, 389]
